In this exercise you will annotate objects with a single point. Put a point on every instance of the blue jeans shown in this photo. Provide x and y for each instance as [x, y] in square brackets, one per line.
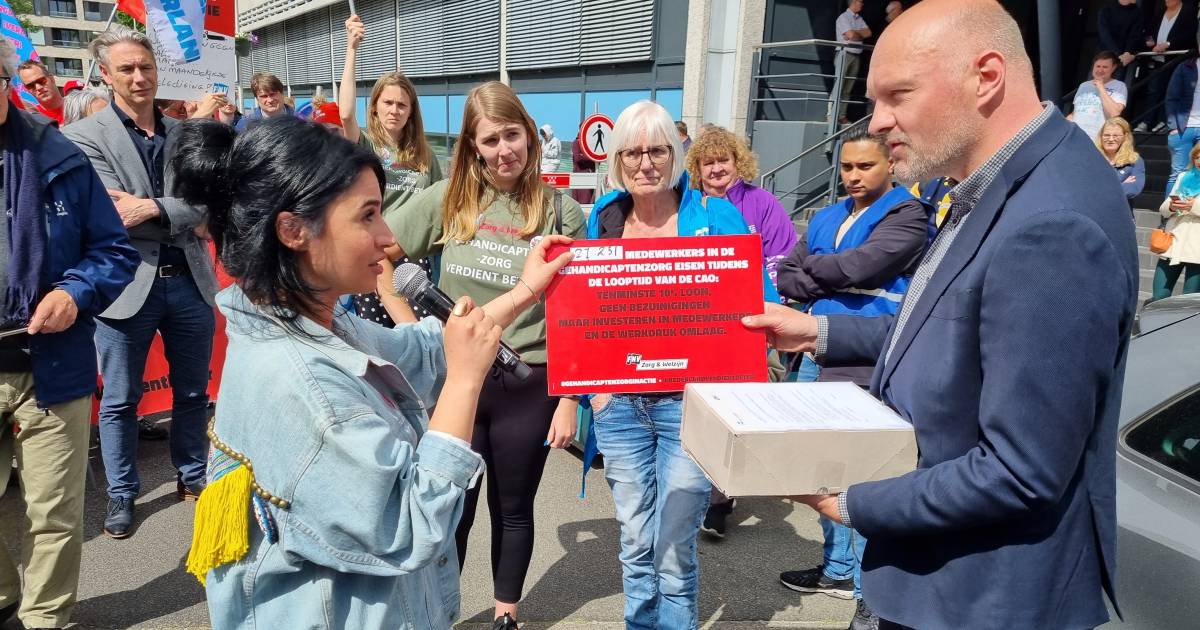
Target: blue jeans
[1181, 146]
[174, 308]
[808, 371]
[661, 496]
[843, 552]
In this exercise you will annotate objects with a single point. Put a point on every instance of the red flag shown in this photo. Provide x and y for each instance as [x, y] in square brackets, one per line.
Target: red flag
[135, 9]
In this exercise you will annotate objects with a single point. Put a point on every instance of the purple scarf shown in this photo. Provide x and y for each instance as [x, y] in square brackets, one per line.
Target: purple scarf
[26, 225]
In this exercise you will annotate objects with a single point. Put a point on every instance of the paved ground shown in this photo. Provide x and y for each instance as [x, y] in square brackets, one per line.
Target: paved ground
[574, 581]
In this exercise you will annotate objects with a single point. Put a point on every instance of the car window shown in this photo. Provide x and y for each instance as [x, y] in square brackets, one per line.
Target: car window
[1171, 436]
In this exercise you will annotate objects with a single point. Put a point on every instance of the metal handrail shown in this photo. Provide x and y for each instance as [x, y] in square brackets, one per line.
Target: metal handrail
[835, 100]
[762, 179]
[813, 42]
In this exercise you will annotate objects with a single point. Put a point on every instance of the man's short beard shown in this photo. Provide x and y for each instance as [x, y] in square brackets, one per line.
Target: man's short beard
[937, 157]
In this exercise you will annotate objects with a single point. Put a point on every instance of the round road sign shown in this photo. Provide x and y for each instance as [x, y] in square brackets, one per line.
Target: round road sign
[596, 131]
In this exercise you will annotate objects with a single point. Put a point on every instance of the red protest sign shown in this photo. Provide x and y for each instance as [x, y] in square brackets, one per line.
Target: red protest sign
[653, 314]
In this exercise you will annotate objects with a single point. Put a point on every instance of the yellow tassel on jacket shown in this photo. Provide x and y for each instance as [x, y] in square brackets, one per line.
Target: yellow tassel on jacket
[221, 533]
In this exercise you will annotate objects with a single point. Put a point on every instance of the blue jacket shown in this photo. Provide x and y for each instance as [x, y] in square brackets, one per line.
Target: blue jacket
[89, 257]
[1010, 368]
[822, 233]
[255, 116]
[1137, 171]
[1180, 91]
[339, 431]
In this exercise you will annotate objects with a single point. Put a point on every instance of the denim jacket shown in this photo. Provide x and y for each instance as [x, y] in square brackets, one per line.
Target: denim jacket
[337, 428]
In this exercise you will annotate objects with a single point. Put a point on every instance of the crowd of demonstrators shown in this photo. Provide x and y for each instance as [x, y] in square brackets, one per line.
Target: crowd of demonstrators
[268, 94]
[857, 258]
[172, 291]
[296, 236]
[1115, 142]
[1181, 219]
[660, 494]
[1101, 98]
[1120, 29]
[395, 133]
[80, 104]
[58, 270]
[478, 226]
[1174, 27]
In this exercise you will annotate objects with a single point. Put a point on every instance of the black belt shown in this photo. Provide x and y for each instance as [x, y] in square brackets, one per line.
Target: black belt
[170, 271]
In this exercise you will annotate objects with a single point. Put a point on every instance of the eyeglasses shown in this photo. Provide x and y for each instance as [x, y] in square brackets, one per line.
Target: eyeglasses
[38, 83]
[659, 155]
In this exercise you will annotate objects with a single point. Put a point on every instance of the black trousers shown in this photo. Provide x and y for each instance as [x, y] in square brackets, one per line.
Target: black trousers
[510, 433]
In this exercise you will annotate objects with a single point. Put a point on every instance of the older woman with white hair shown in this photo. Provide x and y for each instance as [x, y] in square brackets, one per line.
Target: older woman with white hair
[660, 494]
[79, 104]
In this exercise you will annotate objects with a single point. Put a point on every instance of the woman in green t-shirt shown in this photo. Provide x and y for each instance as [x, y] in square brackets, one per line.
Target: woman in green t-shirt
[395, 133]
[481, 223]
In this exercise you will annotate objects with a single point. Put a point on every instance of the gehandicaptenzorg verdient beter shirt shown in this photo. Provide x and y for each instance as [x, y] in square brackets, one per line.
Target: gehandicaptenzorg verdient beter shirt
[489, 264]
[400, 183]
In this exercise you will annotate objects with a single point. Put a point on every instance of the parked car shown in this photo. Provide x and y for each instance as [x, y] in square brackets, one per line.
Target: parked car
[1158, 471]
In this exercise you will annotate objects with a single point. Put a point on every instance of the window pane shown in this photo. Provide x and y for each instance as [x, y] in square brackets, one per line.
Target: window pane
[1172, 437]
[62, 8]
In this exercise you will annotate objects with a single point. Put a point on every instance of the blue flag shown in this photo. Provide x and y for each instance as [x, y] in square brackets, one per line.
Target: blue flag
[20, 40]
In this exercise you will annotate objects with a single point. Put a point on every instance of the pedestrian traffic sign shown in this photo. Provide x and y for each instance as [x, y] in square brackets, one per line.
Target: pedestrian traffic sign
[596, 130]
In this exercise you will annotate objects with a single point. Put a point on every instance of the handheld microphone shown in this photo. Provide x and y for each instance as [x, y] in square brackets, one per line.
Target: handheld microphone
[411, 281]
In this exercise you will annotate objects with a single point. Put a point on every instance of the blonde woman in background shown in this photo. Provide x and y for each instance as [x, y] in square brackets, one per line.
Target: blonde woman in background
[1115, 142]
[396, 134]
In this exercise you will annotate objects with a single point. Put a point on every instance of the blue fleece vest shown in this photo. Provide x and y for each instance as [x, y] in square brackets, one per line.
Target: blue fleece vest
[822, 233]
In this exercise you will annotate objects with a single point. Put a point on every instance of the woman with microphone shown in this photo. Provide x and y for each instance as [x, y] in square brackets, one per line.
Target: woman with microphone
[332, 494]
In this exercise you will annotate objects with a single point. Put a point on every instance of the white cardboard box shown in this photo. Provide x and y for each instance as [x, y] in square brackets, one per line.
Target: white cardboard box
[783, 439]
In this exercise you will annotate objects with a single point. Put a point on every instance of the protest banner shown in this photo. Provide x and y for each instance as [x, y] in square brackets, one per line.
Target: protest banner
[215, 71]
[653, 314]
[16, 35]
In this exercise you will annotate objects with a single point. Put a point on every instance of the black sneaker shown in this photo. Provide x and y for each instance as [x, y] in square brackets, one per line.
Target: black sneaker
[815, 581]
[148, 430]
[864, 618]
[714, 522]
[504, 623]
[119, 521]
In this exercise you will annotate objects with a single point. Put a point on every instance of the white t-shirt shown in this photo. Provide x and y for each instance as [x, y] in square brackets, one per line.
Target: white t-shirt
[849, 21]
[1089, 111]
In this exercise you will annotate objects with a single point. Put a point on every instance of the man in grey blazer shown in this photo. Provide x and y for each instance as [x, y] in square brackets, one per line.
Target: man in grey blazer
[172, 290]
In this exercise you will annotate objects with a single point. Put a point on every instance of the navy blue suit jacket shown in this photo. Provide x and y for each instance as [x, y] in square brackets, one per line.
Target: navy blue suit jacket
[1010, 369]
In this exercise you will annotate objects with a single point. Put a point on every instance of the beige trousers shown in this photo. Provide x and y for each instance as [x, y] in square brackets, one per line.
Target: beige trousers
[50, 446]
